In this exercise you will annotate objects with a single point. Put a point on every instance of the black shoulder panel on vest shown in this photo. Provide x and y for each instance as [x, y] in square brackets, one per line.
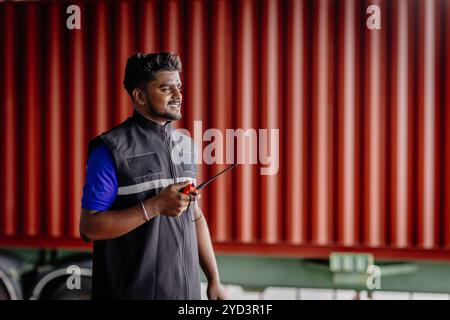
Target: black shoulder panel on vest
[93, 144]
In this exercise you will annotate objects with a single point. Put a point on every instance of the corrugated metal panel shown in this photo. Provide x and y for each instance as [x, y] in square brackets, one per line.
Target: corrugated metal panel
[364, 117]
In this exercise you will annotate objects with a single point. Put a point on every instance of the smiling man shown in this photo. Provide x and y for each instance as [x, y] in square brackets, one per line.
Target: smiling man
[148, 237]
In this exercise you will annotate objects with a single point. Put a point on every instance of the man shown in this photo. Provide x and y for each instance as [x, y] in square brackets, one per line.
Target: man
[148, 237]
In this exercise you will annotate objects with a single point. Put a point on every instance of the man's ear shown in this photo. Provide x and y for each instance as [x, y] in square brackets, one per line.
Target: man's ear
[139, 97]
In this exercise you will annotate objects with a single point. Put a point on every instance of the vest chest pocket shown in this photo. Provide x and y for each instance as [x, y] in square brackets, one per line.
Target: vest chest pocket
[144, 165]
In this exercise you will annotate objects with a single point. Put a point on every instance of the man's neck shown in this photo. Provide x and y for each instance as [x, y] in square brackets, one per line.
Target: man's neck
[155, 119]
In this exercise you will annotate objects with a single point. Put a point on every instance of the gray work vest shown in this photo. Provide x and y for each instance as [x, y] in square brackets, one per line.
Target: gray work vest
[159, 259]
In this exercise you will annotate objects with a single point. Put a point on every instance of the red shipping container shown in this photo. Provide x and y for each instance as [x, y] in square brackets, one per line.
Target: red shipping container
[363, 117]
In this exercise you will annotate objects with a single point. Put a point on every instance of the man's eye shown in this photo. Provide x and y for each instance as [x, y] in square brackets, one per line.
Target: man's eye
[166, 90]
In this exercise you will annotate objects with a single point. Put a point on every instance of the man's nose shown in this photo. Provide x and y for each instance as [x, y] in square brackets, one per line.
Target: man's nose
[177, 94]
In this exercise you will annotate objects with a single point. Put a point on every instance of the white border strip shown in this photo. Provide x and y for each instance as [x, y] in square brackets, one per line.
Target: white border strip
[149, 185]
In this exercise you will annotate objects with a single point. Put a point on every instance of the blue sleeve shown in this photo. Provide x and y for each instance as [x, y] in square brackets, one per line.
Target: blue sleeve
[100, 188]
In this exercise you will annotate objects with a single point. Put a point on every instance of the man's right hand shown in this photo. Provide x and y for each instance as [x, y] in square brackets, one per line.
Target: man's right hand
[170, 201]
[103, 225]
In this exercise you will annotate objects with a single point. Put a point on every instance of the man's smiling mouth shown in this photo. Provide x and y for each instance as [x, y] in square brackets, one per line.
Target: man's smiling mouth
[174, 105]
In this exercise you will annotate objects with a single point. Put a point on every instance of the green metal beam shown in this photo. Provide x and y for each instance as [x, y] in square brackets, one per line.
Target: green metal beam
[256, 272]
[259, 272]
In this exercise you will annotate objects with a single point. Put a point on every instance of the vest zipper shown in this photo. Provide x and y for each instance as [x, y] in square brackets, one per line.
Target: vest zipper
[173, 172]
[172, 168]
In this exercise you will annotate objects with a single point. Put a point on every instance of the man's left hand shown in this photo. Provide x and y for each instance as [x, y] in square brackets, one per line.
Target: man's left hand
[216, 291]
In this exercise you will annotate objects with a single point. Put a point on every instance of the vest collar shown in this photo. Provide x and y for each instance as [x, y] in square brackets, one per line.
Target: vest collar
[149, 124]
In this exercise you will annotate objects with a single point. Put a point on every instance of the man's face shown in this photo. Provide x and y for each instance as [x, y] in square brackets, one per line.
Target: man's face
[163, 96]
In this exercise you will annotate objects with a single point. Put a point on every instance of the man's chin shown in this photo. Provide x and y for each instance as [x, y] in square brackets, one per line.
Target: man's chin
[173, 115]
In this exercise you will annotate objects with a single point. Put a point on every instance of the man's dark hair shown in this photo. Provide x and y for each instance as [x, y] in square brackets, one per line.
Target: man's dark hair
[142, 68]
